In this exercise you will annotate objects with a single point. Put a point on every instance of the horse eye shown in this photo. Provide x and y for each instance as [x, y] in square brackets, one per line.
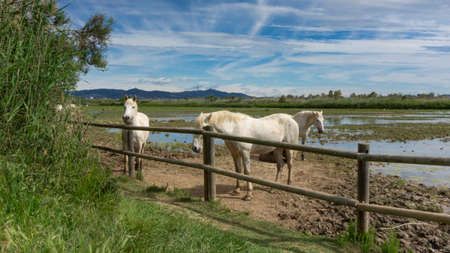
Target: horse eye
[134, 107]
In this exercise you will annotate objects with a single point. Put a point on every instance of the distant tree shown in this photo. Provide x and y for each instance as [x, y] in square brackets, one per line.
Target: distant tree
[353, 95]
[338, 94]
[282, 99]
[330, 94]
[211, 98]
[290, 96]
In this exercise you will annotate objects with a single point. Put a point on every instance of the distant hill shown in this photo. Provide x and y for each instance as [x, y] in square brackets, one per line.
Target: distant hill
[154, 94]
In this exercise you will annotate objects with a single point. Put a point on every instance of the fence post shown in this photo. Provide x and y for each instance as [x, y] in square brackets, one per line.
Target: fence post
[131, 159]
[208, 159]
[363, 189]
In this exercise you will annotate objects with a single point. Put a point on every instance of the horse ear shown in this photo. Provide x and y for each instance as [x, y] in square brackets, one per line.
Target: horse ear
[126, 97]
[134, 98]
[207, 118]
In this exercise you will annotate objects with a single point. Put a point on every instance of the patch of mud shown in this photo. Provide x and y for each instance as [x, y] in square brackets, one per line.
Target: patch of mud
[321, 173]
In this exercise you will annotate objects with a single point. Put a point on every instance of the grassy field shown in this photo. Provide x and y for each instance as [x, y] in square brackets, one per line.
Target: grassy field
[360, 102]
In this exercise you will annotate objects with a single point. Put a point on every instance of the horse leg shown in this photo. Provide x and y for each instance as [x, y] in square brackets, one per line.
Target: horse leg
[141, 160]
[137, 159]
[303, 143]
[246, 162]
[237, 167]
[125, 148]
[125, 163]
[278, 155]
[289, 156]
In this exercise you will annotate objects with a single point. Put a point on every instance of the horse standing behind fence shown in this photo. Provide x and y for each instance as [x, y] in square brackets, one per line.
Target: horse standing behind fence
[132, 117]
[276, 127]
[305, 119]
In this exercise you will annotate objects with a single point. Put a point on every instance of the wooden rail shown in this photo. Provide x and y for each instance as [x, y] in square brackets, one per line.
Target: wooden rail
[429, 160]
[362, 204]
[334, 199]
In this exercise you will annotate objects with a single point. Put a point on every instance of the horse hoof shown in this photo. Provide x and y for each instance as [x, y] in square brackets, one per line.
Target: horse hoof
[234, 193]
[247, 198]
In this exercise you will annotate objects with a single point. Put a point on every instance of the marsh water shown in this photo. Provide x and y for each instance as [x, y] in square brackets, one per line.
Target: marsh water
[429, 175]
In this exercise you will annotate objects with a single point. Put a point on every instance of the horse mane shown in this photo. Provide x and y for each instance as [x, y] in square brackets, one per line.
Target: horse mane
[220, 117]
[303, 117]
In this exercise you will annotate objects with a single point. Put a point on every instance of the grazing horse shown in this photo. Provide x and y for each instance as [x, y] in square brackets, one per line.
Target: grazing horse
[132, 117]
[305, 119]
[276, 127]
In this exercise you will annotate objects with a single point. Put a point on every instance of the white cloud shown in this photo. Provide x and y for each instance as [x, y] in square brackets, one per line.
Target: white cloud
[386, 42]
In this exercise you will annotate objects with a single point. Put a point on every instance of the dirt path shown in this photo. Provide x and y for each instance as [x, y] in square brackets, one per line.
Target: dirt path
[322, 173]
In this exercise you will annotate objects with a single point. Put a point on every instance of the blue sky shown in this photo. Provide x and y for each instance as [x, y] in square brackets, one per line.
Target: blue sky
[270, 48]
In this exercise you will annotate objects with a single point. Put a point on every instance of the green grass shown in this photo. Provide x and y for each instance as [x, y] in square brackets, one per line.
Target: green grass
[33, 222]
[386, 102]
[265, 235]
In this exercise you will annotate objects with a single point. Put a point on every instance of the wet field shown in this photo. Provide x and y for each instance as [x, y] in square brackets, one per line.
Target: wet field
[394, 132]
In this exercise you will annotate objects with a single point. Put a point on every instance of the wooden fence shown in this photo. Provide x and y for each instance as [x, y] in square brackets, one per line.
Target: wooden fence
[362, 156]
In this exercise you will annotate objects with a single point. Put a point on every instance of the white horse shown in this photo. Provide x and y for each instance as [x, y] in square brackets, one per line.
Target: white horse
[305, 119]
[276, 127]
[68, 107]
[58, 107]
[132, 117]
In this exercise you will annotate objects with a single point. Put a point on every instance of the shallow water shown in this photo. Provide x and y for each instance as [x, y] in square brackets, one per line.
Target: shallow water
[426, 174]
[334, 120]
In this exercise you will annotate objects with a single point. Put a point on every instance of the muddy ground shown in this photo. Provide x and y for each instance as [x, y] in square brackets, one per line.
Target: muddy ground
[321, 173]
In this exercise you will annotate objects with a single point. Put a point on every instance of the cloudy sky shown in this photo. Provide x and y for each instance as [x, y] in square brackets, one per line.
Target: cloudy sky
[269, 48]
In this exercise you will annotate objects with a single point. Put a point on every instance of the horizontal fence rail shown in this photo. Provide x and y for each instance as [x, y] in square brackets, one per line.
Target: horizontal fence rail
[337, 200]
[428, 160]
[154, 129]
[362, 156]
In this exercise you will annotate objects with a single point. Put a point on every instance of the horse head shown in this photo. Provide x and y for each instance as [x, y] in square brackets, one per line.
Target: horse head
[318, 121]
[130, 109]
[200, 122]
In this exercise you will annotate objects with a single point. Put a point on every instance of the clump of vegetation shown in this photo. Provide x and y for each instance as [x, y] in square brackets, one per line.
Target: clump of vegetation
[367, 242]
[50, 184]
